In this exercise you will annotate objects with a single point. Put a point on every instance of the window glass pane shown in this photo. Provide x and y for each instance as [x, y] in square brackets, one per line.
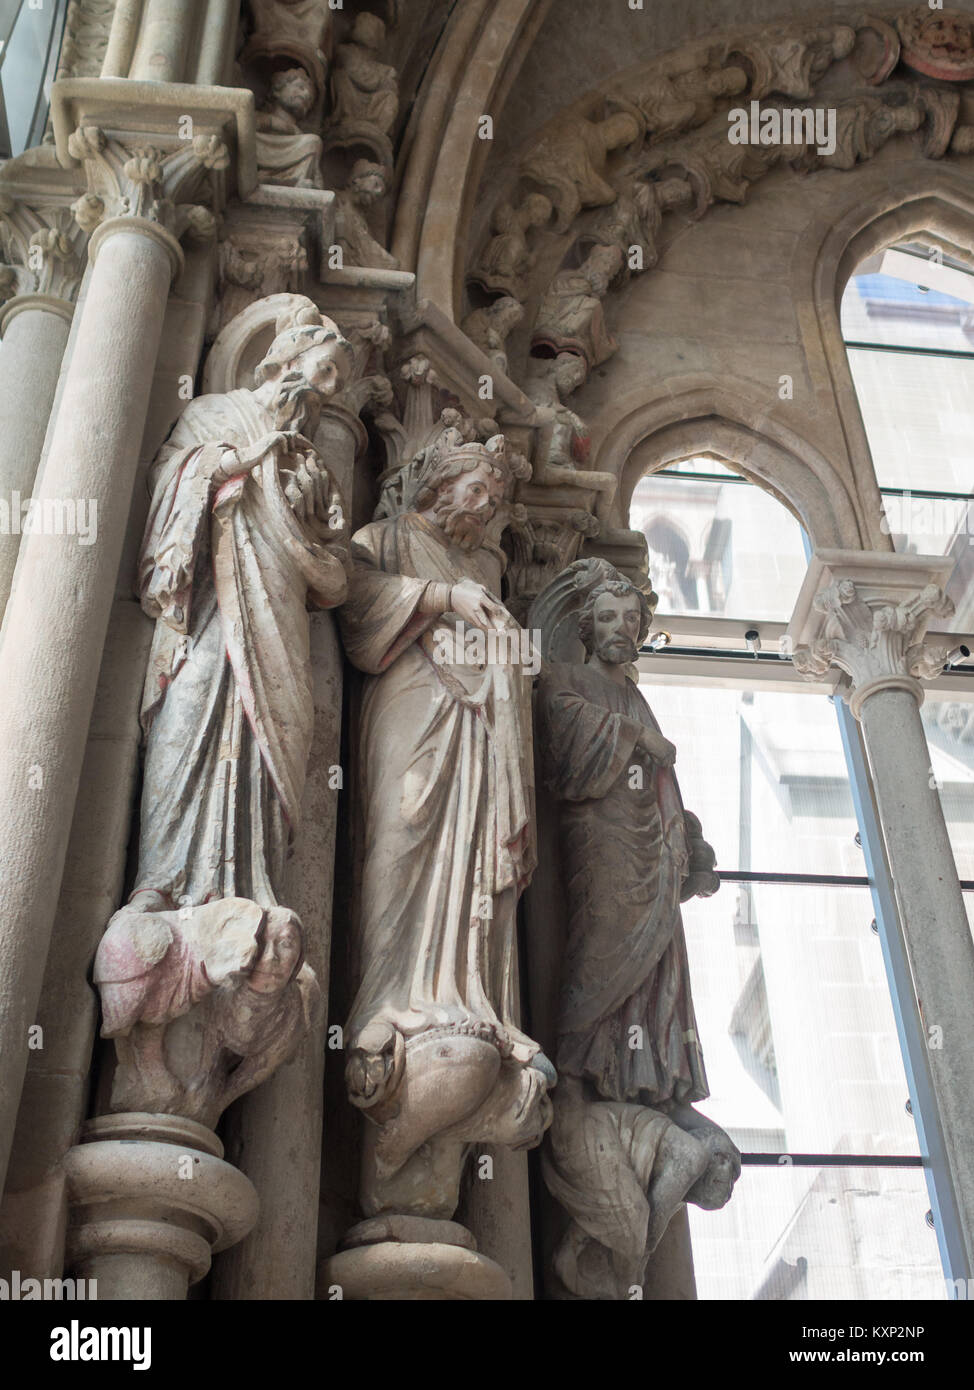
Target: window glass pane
[938, 526]
[791, 1234]
[885, 309]
[23, 67]
[796, 1023]
[949, 727]
[918, 414]
[765, 773]
[719, 549]
[701, 464]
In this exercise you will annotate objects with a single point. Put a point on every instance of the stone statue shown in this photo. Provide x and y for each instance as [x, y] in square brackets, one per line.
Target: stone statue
[506, 261]
[569, 162]
[242, 535]
[366, 186]
[285, 154]
[626, 1149]
[365, 92]
[203, 1004]
[571, 318]
[436, 1058]
[489, 328]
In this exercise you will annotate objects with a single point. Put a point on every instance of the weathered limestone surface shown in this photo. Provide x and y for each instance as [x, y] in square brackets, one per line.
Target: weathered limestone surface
[535, 267]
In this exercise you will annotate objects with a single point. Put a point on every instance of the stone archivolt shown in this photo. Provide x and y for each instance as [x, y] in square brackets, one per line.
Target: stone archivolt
[657, 142]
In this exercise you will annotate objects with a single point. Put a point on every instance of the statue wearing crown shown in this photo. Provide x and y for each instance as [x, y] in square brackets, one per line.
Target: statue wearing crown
[435, 1057]
[245, 530]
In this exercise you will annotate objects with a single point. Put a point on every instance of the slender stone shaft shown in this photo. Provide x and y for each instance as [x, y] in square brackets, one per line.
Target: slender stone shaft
[935, 928]
[57, 616]
[35, 331]
[164, 35]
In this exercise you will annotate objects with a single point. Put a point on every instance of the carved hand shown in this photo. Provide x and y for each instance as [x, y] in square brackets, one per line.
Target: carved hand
[308, 489]
[245, 460]
[657, 747]
[476, 605]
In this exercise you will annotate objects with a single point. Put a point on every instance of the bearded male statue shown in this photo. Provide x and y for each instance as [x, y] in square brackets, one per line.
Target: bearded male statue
[243, 533]
[436, 1058]
[626, 1148]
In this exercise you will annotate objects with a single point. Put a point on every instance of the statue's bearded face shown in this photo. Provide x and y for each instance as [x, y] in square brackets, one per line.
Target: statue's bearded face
[313, 372]
[467, 504]
[616, 624]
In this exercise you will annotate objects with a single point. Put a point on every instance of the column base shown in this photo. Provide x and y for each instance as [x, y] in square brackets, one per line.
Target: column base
[407, 1258]
[150, 1200]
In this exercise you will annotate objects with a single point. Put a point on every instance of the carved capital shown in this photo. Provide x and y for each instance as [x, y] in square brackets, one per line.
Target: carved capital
[148, 185]
[867, 615]
[43, 250]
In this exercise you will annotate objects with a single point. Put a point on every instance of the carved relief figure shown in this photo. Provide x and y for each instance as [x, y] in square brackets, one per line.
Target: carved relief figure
[551, 380]
[689, 99]
[285, 154]
[570, 161]
[241, 536]
[299, 30]
[635, 218]
[365, 92]
[366, 186]
[793, 64]
[571, 318]
[436, 1058]
[489, 328]
[506, 261]
[863, 127]
[626, 1149]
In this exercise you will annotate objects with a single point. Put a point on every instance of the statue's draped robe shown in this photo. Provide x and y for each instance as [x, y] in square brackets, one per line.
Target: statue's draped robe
[227, 572]
[624, 853]
[447, 780]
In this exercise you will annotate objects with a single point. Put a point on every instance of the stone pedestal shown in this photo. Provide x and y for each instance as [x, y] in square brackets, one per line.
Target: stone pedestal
[150, 1199]
[408, 1258]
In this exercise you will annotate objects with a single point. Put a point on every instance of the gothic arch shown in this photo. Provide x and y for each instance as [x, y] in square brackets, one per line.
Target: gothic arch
[483, 50]
[727, 422]
[932, 200]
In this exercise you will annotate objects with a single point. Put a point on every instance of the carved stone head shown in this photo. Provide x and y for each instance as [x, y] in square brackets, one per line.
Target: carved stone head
[294, 90]
[614, 621]
[308, 354]
[367, 182]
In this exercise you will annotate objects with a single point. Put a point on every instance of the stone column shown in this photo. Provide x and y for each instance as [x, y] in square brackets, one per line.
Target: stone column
[165, 32]
[34, 332]
[57, 618]
[867, 614]
[46, 248]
